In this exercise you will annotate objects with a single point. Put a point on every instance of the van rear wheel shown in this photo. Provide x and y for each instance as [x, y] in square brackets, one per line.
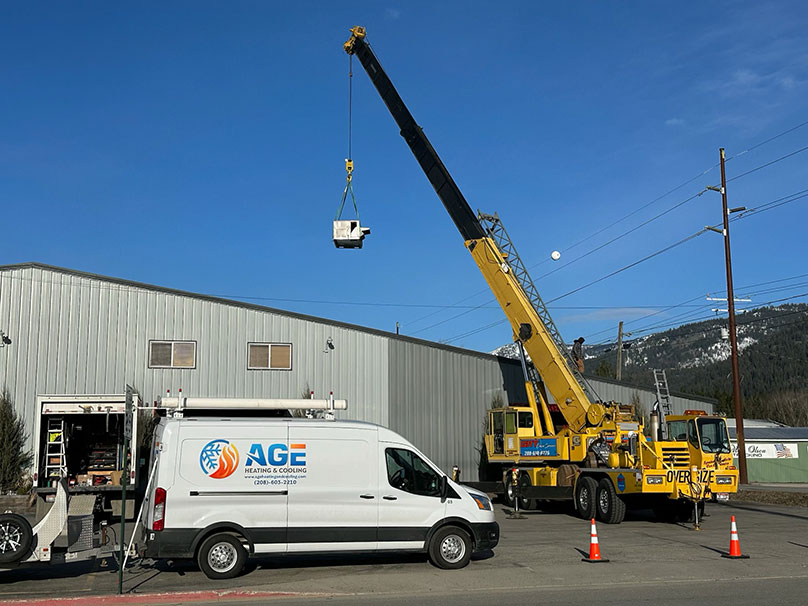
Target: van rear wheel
[450, 548]
[221, 556]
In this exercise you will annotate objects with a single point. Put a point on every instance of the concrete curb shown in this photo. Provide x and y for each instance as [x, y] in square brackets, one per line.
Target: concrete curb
[173, 597]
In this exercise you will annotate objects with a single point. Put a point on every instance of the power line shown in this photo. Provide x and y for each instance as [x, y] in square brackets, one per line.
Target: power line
[687, 302]
[740, 321]
[629, 266]
[757, 168]
[677, 205]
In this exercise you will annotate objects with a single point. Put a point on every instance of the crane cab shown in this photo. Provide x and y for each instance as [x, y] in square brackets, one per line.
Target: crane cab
[506, 428]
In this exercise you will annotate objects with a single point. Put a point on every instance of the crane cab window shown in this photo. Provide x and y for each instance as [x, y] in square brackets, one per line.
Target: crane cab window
[714, 436]
[525, 420]
[692, 434]
[497, 425]
[677, 431]
[510, 422]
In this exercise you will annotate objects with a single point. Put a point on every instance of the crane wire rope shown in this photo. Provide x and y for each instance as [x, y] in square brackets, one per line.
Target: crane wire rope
[349, 160]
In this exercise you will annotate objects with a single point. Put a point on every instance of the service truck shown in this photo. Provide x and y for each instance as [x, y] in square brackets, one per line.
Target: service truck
[80, 438]
[83, 449]
[565, 443]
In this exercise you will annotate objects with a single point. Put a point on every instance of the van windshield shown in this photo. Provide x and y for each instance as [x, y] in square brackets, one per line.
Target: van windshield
[410, 473]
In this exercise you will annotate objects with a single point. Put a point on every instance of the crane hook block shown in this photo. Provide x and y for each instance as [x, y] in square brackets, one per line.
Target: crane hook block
[349, 233]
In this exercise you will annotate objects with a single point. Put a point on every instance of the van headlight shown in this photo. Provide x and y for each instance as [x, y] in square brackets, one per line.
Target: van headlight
[654, 479]
[482, 502]
[723, 480]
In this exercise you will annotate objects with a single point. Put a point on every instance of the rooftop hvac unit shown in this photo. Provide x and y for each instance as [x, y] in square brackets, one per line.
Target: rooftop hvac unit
[349, 234]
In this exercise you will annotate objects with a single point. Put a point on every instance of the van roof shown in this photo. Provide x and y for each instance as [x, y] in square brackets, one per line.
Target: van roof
[207, 420]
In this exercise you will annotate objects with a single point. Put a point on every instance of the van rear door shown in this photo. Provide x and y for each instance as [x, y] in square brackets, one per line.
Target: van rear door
[333, 489]
[410, 497]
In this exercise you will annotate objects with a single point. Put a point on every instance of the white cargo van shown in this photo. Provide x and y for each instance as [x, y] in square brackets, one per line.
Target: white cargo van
[228, 487]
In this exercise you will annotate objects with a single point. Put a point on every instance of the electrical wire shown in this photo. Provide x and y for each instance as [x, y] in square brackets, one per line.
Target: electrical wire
[677, 205]
[757, 168]
[629, 266]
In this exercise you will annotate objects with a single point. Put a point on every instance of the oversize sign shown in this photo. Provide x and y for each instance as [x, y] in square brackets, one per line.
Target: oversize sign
[704, 476]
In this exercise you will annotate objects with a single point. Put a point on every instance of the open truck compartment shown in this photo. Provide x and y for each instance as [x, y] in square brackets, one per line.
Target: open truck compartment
[81, 438]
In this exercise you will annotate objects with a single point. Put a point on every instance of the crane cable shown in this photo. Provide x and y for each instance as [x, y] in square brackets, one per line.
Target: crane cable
[348, 160]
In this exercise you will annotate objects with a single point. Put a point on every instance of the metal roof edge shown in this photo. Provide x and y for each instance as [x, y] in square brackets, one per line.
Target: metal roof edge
[678, 394]
[244, 305]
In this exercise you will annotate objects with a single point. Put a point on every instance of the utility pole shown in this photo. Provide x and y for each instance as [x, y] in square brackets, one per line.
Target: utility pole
[733, 340]
[618, 375]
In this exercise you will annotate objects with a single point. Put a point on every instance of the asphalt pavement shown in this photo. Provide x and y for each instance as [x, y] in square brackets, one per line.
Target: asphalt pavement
[538, 560]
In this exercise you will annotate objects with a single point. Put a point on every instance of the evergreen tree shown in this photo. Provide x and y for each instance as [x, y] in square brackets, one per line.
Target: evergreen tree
[14, 459]
[604, 369]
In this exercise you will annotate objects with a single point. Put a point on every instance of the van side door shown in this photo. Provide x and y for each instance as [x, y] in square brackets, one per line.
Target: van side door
[410, 497]
[232, 473]
[334, 496]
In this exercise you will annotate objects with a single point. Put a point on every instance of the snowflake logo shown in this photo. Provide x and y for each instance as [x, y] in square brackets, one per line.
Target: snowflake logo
[218, 459]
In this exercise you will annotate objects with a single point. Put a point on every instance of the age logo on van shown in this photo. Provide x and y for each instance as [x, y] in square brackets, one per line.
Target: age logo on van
[218, 459]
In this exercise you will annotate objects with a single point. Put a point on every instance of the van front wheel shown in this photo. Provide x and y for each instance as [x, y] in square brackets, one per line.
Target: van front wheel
[450, 548]
[221, 556]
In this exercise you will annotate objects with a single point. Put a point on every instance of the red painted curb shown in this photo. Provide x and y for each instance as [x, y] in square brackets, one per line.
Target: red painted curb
[149, 598]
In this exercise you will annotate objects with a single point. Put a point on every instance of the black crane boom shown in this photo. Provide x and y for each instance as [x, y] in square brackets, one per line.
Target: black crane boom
[447, 190]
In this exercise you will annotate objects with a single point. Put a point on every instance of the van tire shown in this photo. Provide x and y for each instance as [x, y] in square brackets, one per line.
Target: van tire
[15, 538]
[221, 556]
[450, 548]
[586, 489]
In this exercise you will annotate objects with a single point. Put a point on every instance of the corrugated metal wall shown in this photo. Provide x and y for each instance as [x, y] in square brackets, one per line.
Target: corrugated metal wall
[80, 335]
[77, 333]
[438, 400]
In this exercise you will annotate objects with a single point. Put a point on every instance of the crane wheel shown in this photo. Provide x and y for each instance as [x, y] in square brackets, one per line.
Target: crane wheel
[611, 509]
[586, 489]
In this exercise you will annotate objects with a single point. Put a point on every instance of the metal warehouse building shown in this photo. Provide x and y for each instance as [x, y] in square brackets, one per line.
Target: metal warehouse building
[78, 333]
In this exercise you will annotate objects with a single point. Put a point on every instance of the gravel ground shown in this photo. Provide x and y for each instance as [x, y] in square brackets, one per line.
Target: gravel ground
[770, 496]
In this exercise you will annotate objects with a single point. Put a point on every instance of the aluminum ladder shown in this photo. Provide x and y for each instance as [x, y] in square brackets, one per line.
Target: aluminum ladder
[55, 458]
[663, 395]
[496, 231]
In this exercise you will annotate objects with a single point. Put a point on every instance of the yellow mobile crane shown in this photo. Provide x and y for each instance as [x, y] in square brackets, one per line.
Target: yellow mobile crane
[565, 444]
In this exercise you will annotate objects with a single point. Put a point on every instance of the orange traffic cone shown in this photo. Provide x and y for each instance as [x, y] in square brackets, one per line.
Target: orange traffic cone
[594, 547]
[734, 544]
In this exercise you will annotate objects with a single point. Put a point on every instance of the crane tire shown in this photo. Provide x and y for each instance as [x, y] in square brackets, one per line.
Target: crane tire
[586, 489]
[611, 509]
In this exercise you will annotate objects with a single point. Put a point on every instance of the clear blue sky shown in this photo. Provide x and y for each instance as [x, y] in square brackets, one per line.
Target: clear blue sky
[200, 146]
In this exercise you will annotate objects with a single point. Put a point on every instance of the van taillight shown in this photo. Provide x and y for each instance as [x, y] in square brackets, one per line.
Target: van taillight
[159, 508]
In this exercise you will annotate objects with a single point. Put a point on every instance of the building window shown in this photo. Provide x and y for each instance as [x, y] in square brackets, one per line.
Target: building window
[269, 356]
[172, 354]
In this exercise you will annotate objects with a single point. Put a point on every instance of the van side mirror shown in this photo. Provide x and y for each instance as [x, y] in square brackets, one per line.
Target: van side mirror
[444, 488]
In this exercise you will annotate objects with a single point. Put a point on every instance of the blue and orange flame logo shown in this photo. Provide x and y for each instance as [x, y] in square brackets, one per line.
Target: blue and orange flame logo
[218, 459]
